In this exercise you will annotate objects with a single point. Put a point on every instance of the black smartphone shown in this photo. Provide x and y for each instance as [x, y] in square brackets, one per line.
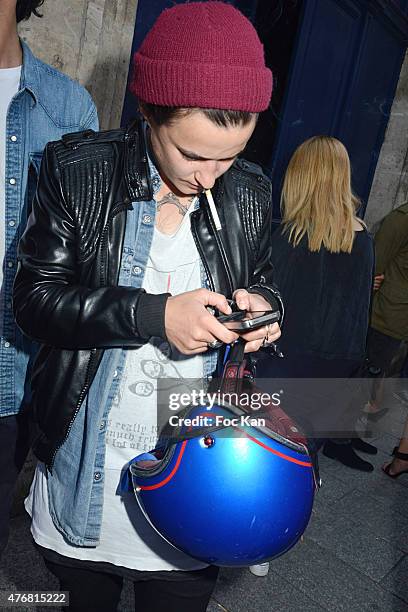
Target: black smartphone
[234, 316]
[244, 321]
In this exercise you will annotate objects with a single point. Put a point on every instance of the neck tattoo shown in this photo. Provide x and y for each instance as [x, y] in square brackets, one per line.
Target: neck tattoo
[170, 198]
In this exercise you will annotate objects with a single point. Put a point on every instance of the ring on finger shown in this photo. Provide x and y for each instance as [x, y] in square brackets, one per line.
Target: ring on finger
[214, 344]
[266, 341]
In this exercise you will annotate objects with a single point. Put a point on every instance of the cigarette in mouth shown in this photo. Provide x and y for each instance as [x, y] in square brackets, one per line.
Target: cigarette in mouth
[213, 210]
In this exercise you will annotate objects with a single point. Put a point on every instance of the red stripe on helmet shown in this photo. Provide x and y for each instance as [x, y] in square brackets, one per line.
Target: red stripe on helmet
[275, 452]
[170, 476]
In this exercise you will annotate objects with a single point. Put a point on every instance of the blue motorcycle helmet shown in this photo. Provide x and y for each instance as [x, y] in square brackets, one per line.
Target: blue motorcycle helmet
[232, 487]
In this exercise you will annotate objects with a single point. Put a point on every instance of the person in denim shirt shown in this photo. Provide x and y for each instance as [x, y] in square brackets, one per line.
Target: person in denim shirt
[37, 104]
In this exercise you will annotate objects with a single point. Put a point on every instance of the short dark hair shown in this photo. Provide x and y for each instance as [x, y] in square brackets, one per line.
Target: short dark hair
[25, 8]
[160, 115]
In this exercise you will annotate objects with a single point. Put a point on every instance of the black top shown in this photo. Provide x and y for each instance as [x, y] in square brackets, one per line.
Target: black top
[326, 296]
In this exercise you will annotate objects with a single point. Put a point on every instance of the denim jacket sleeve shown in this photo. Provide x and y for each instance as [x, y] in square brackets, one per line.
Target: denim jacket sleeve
[50, 306]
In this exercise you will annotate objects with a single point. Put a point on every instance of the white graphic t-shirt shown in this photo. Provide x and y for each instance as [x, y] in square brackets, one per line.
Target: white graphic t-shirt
[126, 538]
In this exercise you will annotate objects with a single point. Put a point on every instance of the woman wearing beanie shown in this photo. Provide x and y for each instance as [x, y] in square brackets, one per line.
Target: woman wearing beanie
[133, 234]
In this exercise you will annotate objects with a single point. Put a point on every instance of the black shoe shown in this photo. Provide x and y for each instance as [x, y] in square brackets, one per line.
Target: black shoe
[363, 446]
[346, 455]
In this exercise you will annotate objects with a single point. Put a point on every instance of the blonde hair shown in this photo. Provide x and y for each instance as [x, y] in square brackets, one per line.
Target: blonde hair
[317, 200]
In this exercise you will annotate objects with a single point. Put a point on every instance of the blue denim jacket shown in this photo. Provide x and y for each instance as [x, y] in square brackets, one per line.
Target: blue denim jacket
[47, 105]
[75, 486]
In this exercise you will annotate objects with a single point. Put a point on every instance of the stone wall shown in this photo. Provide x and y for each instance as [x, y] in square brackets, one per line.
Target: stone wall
[90, 40]
[390, 185]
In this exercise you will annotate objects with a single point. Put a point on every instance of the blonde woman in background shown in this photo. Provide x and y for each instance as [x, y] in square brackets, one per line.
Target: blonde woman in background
[323, 260]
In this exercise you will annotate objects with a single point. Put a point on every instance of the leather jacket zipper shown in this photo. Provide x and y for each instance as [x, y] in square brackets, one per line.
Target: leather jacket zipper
[119, 208]
[223, 257]
[221, 252]
[218, 240]
[77, 407]
[200, 250]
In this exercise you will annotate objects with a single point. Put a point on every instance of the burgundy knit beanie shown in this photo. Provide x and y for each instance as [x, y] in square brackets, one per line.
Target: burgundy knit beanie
[205, 55]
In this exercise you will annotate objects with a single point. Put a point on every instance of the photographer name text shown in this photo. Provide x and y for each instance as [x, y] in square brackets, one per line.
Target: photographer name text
[217, 420]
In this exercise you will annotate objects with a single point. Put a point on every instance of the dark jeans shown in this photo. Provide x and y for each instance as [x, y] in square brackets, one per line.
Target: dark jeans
[384, 353]
[97, 591]
[14, 446]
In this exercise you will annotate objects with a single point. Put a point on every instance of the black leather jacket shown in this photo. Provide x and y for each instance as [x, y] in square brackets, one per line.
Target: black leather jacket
[66, 295]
